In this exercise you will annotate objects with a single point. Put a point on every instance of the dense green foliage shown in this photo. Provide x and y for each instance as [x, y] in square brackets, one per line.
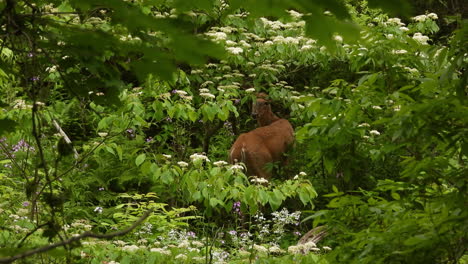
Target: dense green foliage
[114, 108]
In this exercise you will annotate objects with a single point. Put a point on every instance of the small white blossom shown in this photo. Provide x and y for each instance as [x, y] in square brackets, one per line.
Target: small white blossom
[130, 248]
[404, 29]
[260, 248]
[250, 90]
[204, 90]
[420, 38]
[302, 173]
[181, 256]
[180, 92]
[98, 210]
[258, 180]
[374, 132]
[166, 156]
[235, 50]
[161, 251]
[237, 167]
[420, 18]
[338, 38]
[326, 248]
[364, 125]
[294, 249]
[182, 164]
[376, 107]
[207, 95]
[196, 156]
[432, 16]
[306, 47]
[295, 14]
[396, 21]
[220, 163]
[399, 51]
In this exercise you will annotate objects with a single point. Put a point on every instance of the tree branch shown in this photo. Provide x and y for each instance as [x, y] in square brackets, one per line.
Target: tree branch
[76, 238]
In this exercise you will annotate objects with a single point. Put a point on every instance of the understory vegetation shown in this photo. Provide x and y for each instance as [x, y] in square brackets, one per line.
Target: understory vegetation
[117, 117]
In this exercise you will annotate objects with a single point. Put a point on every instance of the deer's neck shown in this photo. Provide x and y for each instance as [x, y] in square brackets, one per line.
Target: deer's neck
[267, 119]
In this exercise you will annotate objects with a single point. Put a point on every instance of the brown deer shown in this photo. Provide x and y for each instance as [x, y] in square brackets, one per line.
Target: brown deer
[265, 144]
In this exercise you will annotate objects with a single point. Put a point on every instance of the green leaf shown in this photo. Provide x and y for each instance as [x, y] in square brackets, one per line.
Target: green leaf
[140, 159]
[7, 125]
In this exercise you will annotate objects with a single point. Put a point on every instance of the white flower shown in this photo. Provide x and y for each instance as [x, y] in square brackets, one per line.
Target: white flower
[182, 164]
[306, 47]
[420, 18]
[181, 256]
[399, 51]
[237, 167]
[204, 90]
[102, 134]
[196, 156]
[315, 249]
[183, 244]
[397, 108]
[338, 38]
[275, 249]
[260, 248]
[364, 125]
[230, 43]
[207, 95]
[326, 248]
[376, 107]
[51, 69]
[296, 177]
[98, 210]
[309, 245]
[302, 173]
[161, 251]
[197, 244]
[432, 16]
[404, 28]
[220, 163]
[167, 156]
[294, 249]
[295, 14]
[130, 248]
[180, 92]
[374, 132]
[217, 35]
[258, 180]
[420, 38]
[235, 50]
[389, 36]
[396, 21]
[250, 90]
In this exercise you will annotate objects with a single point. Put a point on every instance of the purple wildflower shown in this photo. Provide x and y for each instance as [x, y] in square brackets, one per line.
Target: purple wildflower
[101, 189]
[26, 203]
[149, 139]
[191, 234]
[233, 232]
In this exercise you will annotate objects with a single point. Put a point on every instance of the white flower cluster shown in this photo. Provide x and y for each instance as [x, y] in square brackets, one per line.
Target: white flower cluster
[182, 164]
[220, 163]
[395, 21]
[303, 248]
[234, 50]
[420, 38]
[196, 157]
[422, 18]
[258, 180]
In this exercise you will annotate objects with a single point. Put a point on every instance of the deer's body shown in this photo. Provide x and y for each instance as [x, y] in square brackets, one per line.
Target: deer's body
[265, 144]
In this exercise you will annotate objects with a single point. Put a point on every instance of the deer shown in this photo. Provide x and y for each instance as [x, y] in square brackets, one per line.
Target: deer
[265, 144]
